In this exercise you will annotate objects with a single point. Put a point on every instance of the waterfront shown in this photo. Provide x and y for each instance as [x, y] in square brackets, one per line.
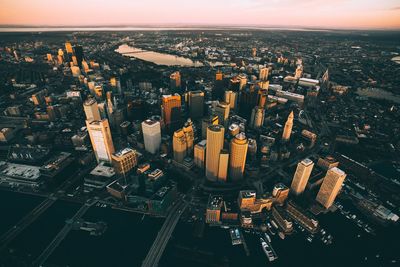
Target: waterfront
[129, 236]
[157, 58]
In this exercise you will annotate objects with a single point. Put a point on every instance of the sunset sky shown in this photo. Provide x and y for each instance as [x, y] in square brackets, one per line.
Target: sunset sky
[303, 13]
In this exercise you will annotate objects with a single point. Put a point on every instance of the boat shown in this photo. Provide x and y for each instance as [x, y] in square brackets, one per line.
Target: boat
[267, 249]
[235, 236]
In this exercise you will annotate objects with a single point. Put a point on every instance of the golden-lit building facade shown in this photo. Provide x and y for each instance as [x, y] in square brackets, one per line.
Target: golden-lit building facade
[280, 193]
[171, 108]
[222, 111]
[91, 110]
[189, 135]
[215, 143]
[330, 187]
[223, 165]
[200, 154]
[175, 80]
[68, 48]
[238, 153]
[264, 72]
[231, 99]
[124, 160]
[301, 176]
[179, 145]
[287, 130]
[100, 137]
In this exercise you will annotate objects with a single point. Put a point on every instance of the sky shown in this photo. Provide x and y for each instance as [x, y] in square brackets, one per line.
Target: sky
[350, 14]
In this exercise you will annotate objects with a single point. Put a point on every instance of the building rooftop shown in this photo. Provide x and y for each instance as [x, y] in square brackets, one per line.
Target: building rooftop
[123, 152]
[101, 170]
[26, 172]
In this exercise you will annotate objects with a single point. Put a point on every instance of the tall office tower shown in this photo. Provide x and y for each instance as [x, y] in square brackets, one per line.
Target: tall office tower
[179, 145]
[151, 135]
[218, 76]
[215, 143]
[211, 120]
[248, 99]
[257, 117]
[330, 187]
[171, 111]
[200, 154]
[100, 136]
[264, 72]
[175, 81]
[78, 52]
[222, 111]
[49, 57]
[301, 176]
[299, 72]
[68, 48]
[189, 136]
[287, 131]
[230, 98]
[91, 110]
[262, 97]
[124, 160]
[223, 165]
[243, 81]
[196, 104]
[238, 149]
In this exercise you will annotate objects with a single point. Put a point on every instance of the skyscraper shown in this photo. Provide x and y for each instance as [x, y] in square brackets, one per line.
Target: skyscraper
[330, 187]
[78, 52]
[91, 110]
[215, 143]
[222, 111]
[223, 165]
[171, 111]
[189, 136]
[68, 47]
[243, 81]
[175, 81]
[287, 131]
[301, 176]
[124, 160]
[230, 98]
[238, 152]
[257, 117]
[212, 120]
[262, 97]
[151, 135]
[196, 104]
[179, 145]
[100, 136]
[263, 76]
[200, 154]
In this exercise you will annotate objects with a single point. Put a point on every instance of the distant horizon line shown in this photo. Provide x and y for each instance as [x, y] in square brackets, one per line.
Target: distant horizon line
[199, 25]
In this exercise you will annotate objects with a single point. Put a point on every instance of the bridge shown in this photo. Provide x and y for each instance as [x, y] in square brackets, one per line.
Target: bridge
[61, 235]
[13, 232]
[163, 236]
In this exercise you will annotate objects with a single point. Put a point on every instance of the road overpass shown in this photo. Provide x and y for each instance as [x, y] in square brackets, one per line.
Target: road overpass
[163, 236]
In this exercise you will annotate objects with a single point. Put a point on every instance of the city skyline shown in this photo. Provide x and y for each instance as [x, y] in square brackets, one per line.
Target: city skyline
[338, 14]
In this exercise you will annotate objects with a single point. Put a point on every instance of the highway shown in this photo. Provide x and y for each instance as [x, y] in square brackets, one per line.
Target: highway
[61, 235]
[163, 236]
